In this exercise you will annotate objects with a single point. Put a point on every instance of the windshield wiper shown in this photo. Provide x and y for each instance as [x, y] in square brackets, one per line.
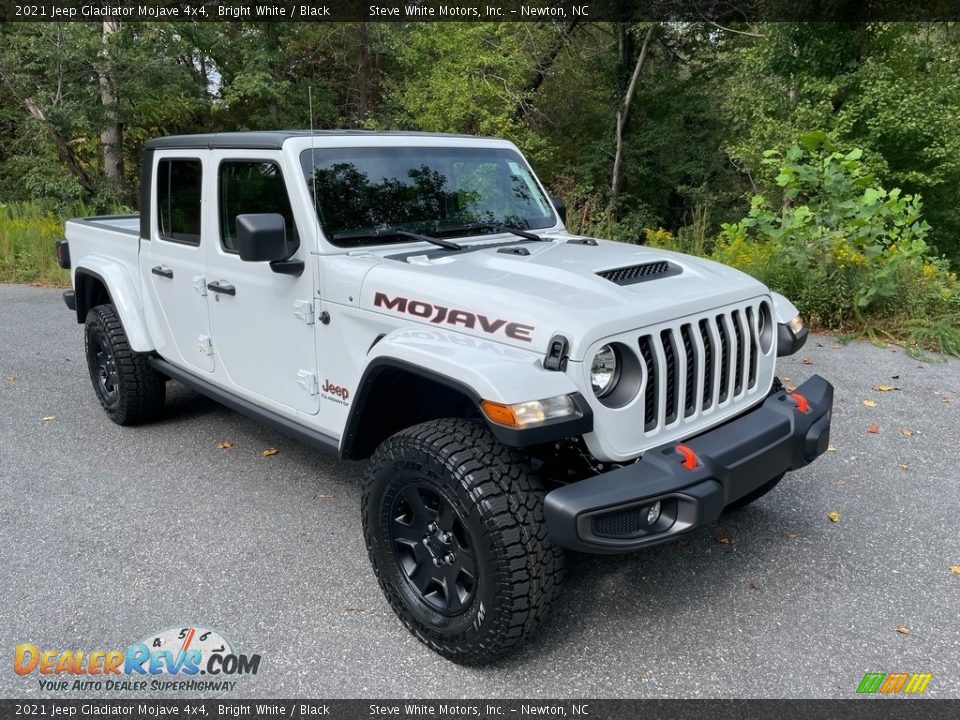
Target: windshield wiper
[354, 235]
[447, 244]
[496, 227]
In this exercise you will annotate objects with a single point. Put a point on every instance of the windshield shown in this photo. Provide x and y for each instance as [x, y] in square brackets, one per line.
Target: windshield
[365, 193]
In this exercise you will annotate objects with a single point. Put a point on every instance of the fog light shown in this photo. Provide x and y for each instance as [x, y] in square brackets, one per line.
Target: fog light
[653, 514]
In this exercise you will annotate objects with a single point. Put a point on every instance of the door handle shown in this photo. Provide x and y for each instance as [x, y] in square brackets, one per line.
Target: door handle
[224, 288]
[162, 271]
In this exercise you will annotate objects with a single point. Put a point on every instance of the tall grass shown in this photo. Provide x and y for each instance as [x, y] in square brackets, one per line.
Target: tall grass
[28, 238]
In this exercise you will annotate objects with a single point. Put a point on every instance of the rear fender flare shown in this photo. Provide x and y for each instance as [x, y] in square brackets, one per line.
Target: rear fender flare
[124, 293]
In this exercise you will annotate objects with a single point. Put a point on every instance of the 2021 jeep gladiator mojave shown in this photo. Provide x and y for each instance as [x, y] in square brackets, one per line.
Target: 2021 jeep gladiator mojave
[415, 300]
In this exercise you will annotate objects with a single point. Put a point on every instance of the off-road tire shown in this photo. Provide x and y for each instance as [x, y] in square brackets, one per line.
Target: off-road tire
[756, 494]
[499, 501]
[129, 390]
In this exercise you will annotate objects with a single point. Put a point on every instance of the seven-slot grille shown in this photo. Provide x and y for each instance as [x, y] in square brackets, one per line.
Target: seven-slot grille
[698, 364]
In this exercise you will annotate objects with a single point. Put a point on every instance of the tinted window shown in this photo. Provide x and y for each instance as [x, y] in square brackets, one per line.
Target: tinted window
[253, 186]
[179, 189]
[363, 193]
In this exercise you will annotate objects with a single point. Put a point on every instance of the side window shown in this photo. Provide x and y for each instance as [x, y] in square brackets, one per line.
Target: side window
[252, 186]
[179, 188]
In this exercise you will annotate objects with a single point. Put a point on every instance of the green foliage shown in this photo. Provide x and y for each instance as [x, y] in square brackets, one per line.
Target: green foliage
[28, 236]
[467, 78]
[826, 229]
[847, 251]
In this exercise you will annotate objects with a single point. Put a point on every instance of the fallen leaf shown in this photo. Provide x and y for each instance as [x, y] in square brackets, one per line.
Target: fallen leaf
[351, 609]
[905, 432]
[786, 379]
[682, 543]
[724, 539]
[321, 496]
[791, 536]
[819, 344]
[48, 418]
[789, 388]
[885, 388]
[903, 629]
[834, 347]
[641, 676]
[897, 377]
[11, 378]
[807, 361]
[225, 445]
[955, 569]
[947, 400]
[269, 451]
[754, 585]
[834, 516]
[873, 428]
[904, 467]
[831, 448]
[870, 403]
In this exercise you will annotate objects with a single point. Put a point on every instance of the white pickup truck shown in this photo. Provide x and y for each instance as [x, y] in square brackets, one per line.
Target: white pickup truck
[415, 300]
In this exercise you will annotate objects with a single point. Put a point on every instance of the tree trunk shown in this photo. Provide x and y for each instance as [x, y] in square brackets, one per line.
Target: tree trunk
[623, 113]
[111, 136]
[365, 73]
[544, 65]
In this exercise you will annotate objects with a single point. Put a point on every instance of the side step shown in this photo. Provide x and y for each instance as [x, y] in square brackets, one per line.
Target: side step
[288, 427]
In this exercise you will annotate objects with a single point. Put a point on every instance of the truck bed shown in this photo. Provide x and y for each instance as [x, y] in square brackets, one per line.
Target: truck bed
[113, 237]
[126, 224]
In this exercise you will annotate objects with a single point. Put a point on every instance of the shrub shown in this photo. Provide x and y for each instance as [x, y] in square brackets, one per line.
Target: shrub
[848, 252]
[28, 236]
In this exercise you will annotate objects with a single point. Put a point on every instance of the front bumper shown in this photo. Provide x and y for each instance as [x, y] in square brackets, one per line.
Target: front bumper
[608, 513]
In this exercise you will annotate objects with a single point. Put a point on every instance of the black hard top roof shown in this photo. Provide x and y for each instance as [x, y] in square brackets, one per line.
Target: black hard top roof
[266, 139]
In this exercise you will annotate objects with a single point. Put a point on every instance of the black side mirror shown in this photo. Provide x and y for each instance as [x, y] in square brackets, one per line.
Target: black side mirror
[261, 237]
[561, 207]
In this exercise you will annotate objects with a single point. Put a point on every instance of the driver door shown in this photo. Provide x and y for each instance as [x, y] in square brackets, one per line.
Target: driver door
[261, 320]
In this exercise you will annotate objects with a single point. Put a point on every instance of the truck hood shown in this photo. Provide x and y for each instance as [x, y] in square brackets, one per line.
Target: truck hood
[489, 291]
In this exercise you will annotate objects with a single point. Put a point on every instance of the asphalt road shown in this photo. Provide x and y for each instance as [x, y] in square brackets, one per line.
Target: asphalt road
[108, 534]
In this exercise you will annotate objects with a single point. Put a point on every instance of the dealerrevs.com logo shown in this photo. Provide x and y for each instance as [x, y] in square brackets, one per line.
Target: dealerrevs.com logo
[181, 659]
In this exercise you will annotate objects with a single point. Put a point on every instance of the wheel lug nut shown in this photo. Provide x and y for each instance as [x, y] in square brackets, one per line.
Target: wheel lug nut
[432, 527]
[436, 562]
[448, 538]
[450, 558]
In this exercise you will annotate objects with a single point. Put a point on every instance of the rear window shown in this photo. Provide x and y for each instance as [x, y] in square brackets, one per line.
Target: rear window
[179, 191]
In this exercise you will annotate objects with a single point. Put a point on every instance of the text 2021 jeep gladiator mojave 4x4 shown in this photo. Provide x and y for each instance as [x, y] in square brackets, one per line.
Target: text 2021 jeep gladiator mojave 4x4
[415, 300]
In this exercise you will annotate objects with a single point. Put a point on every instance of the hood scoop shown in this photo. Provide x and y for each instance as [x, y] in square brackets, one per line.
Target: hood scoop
[640, 273]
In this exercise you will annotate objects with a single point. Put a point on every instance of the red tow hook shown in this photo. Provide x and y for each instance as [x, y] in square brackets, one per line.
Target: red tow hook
[689, 457]
[802, 404]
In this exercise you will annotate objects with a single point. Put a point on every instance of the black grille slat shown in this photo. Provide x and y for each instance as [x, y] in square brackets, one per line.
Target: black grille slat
[738, 371]
[699, 365]
[689, 401]
[672, 377]
[653, 378]
[638, 273]
[707, 363]
[724, 358]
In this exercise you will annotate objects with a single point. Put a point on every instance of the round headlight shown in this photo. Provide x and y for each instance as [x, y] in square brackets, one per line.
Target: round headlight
[604, 371]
